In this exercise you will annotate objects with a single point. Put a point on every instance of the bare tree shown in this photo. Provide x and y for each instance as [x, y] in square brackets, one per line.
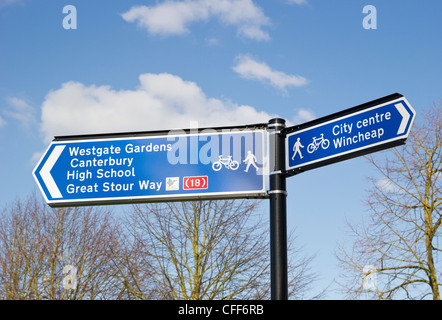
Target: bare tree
[55, 253]
[395, 248]
[180, 250]
[205, 250]
[131, 265]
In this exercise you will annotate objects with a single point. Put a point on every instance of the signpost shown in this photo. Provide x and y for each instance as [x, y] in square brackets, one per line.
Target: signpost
[278, 212]
[218, 163]
[151, 167]
[370, 127]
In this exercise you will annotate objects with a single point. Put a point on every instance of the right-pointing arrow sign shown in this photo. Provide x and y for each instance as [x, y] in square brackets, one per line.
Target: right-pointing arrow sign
[405, 117]
[372, 126]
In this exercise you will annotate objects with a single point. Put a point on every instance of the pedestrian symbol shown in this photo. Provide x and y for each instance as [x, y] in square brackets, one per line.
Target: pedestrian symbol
[296, 147]
[250, 159]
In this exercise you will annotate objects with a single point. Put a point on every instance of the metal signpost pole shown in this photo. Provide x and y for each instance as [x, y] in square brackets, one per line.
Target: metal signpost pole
[278, 211]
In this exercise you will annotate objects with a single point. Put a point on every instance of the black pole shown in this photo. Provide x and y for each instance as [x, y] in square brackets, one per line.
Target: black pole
[278, 211]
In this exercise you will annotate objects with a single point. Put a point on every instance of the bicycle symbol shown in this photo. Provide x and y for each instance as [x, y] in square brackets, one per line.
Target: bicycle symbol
[324, 143]
[227, 162]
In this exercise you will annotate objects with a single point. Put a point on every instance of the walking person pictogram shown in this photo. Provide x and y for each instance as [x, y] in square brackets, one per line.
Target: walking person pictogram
[250, 159]
[296, 147]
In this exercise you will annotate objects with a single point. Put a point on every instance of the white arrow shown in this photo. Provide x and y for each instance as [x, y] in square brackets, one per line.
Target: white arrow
[405, 116]
[45, 172]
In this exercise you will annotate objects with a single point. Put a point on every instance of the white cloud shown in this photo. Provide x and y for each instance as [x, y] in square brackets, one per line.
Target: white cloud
[174, 17]
[20, 110]
[387, 185]
[5, 3]
[35, 158]
[2, 122]
[297, 2]
[303, 115]
[249, 68]
[161, 102]
[212, 42]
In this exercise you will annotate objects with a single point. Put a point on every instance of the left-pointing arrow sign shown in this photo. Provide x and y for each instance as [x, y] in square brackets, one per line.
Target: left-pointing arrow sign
[45, 172]
[153, 166]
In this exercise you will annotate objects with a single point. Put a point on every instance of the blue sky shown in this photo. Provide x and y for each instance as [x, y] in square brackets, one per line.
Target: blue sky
[148, 65]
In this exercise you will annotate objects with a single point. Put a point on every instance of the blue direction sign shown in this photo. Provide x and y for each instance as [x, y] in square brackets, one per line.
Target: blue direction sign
[370, 127]
[183, 165]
